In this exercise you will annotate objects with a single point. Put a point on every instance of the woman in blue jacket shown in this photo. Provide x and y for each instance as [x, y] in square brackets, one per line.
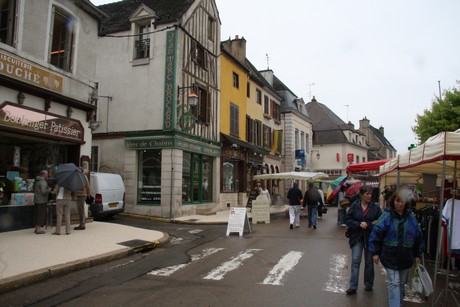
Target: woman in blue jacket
[361, 216]
[396, 241]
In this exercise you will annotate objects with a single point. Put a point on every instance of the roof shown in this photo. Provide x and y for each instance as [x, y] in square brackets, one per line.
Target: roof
[290, 100]
[327, 126]
[118, 13]
[379, 135]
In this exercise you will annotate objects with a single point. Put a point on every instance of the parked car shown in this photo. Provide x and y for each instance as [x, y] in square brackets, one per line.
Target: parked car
[108, 191]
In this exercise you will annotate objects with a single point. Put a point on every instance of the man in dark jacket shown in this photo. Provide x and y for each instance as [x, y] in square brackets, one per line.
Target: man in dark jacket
[312, 199]
[295, 197]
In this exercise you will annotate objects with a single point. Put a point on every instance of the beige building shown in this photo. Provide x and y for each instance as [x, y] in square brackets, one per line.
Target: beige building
[47, 69]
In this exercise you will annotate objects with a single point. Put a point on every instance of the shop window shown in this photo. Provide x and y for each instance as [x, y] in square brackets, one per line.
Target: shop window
[7, 21]
[149, 190]
[234, 119]
[142, 42]
[61, 39]
[197, 183]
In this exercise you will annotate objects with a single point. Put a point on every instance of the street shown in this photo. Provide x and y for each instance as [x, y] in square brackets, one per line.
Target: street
[201, 266]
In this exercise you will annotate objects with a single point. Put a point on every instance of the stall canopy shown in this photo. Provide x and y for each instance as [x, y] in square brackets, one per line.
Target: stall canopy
[293, 176]
[366, 166]
[429, 157]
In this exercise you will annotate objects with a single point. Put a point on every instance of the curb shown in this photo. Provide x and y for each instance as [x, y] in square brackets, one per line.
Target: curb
[25, 279]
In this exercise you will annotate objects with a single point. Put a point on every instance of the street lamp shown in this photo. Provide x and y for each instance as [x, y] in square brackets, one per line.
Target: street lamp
[192, 97]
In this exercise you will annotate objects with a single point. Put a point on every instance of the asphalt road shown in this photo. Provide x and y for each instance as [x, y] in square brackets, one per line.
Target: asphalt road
[201, 266]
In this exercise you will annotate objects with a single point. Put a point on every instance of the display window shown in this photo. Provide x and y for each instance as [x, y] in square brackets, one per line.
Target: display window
[149, 190]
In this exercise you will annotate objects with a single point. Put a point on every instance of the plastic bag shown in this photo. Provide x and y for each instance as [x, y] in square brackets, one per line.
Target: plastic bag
[416, 282]
[425, 280]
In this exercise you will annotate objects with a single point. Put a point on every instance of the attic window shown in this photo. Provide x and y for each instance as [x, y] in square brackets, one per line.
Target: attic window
[142, 42]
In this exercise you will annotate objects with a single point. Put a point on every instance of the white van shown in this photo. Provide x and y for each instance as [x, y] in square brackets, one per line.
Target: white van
[108, 191]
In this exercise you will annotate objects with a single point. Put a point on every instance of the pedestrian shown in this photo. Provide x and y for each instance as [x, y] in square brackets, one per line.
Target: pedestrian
[64, 199]
[361, 217]
[342, 205]
[265, 193]
[81, 201]
[311, 200]
[295, 198]
[396, 240]
[321, 203]
[41, 194]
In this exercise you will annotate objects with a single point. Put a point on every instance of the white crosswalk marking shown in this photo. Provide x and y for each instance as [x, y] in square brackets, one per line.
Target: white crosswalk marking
[285, 265]
[337, 281]
[231, 265]
[174, 268]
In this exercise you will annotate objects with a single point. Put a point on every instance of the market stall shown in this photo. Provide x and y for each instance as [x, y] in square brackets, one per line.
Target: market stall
[437, 157]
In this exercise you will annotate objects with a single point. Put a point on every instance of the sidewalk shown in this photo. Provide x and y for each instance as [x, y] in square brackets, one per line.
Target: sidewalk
[26, 258]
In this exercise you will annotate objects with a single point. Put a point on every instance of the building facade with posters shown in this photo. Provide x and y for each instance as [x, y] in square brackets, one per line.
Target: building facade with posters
[47, 65]
[158, 113]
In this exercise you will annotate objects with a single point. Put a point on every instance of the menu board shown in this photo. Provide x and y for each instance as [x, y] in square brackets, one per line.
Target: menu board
[236, 220]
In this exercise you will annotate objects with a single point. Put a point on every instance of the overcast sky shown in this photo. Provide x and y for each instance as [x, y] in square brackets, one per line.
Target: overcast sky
[380, 59]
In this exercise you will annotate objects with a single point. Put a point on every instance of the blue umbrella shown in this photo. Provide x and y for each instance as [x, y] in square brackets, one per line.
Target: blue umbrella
[336, 185]
[71, 177]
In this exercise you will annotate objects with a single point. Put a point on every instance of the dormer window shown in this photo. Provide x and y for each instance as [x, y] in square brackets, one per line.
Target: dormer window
[141, 26]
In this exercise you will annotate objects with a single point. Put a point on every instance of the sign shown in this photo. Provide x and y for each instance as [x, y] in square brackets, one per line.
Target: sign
[26, 72]
[252, 196]
[299, 154]
[261, 210]
[40, 123]
[350, 157]
[236, 220]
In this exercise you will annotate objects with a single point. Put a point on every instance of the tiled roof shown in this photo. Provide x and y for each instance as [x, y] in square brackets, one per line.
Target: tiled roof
[119, 12]
[378, 134]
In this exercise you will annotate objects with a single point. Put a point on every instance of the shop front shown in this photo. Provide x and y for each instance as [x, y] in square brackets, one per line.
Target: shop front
[31, 141]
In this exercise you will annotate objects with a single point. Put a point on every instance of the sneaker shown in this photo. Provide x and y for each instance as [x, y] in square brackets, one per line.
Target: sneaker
[314, 226]
[368, 288]
[80, 228]
[291, 226]
[351, 291]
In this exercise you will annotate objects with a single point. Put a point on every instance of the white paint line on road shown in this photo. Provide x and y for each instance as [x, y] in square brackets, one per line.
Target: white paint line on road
[284, 266]
[174, 268]
[337, 280]
[195, 231]
[231, 265]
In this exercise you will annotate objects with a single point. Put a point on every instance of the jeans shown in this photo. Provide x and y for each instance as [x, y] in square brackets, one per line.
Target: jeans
[356, 255]
[396, 281]
[312, 215]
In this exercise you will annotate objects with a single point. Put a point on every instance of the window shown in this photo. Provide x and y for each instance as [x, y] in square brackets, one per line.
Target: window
[203, 109]
[149, 189]
[94, 167]
[307, 142]
[296, 139]
[7, 21]
[234, 119]
[236, 80]
[257, 133]
[211, 28]
[267, 137]
[276, 112]
[302, 140]
[249, 129]
[142, 43]
[62, 39]
[258, 96]
[248, 90]
[266, 105]
[199, 55]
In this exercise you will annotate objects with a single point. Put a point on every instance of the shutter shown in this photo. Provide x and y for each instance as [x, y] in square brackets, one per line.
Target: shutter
[53, 15]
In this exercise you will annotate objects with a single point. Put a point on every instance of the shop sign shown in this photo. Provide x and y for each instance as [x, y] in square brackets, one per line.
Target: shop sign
[40, 123]
[24, 71]
[152, 143]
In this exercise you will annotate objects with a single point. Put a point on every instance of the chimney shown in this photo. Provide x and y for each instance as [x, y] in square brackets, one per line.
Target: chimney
[364, 123]
[382, 130]
[237, 47]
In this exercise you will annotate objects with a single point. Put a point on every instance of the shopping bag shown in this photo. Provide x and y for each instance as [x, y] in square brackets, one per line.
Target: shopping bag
[425, 279]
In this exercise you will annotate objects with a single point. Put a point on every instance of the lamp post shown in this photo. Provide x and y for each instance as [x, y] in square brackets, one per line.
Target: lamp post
[186, 107]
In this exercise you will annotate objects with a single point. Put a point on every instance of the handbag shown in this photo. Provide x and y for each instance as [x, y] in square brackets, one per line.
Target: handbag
[89, 199]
